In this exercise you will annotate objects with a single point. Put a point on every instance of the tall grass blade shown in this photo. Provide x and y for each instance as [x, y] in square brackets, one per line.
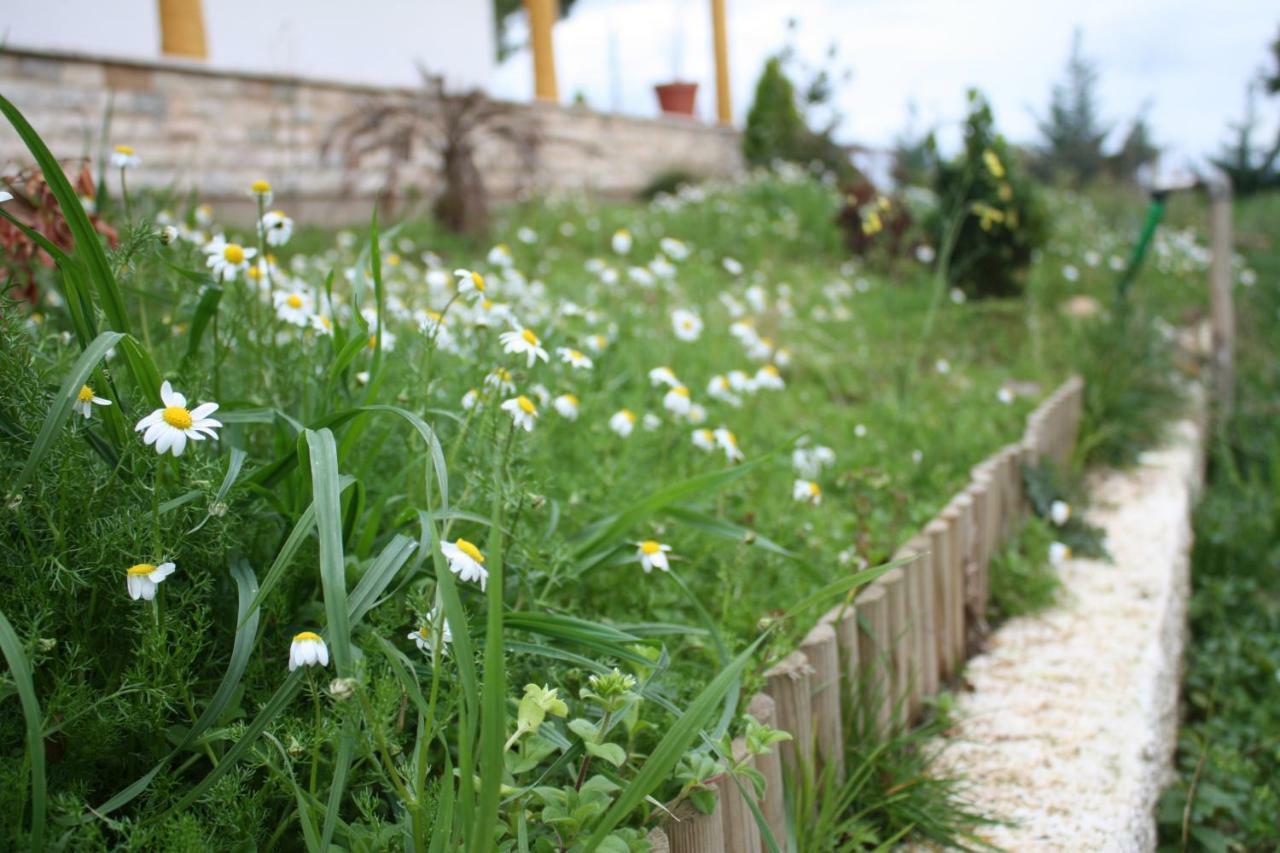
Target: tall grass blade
[493, 730]
[326, 490]
[61, 409]
[16, 656]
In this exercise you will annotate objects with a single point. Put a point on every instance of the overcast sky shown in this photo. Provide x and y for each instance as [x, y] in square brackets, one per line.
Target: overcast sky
[1188, 59]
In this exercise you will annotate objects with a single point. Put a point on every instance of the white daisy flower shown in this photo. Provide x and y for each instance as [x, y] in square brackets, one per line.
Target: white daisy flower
[470, 283]
[741, 382]
[277, 227]
[322, 324]
[1059, 553]
[732, 266]
[719, 389]
[293, 307]
[574, 358]
[500, 255]
[807, 491]
[640, 276]
[141, 580]
[308, 649]
[925, 253]
[729, 443]
[225, 259]
[696, 414]
[425, 636]
[596, 343]
[942, 366]
[86, 400]
[957, 296]
[650, 422]
[262, 190]
[1070, 273]
[653, 555]
[523, 342]
[660, 267]
[623, 422]
[677, 400]
[621, 241]
[527, 235]
[768, 378]
[204, 215]
[470, 399]
[663, 376]
[567, 406]
[465, 561]
[170, 428]
[860, 430]
[500, 379]
[673, 249]
[168, 234]
[122, 157]
[1005, 395]
[686, 324]
[704, 440]
[523, 412]
[1059, 512]
[540, 391]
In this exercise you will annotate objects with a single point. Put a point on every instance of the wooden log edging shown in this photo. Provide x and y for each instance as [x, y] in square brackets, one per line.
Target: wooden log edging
[887, 653]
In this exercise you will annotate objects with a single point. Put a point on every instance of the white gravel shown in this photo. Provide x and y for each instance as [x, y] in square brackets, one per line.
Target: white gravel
[1070, 727]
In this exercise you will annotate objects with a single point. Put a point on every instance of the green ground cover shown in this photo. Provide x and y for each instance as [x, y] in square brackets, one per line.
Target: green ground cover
[369, 411]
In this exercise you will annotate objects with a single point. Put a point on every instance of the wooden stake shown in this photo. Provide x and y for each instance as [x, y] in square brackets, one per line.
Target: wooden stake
[773, 804]
[821, 649]
[740, 829]
[943, 606]
[875, 658]
[789, 685]
[690, 831]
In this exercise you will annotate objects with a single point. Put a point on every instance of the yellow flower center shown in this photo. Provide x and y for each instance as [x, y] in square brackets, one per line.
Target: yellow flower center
[770, 369]
[294, 301]
[233, 253]
[85, 395]
[504, 374]
[487, 304]
[393, 260]
[575, 355]
[529, 337]
[254, 273]
[306, 636]
[815, 489]
[1066, 552]
[260, 187]
[571, 399]
[478, 281]
[178, 417]
[435, 316]
[125, 150]
[141, 569]
[600, 341]
[680, 391]
[730, 438]
[628, 414]
[326, 322]
[373, 341]
[526, 405]
[650, 547]
[470, 550]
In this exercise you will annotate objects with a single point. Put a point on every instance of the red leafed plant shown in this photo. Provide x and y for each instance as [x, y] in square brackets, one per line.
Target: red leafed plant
[35, 206]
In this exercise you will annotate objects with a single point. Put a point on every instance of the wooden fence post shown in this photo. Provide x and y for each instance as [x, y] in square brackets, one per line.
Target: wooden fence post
[740, 829]
[690, 831]
[844, 619]
[773, 804]
[821, 648]
[789, 685]
[875, 659]
[658, 841]
[943, 590]
[901, 641]
[922, 615]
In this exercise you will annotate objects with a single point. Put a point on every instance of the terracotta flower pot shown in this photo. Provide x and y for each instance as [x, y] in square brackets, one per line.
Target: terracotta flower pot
[677, 98]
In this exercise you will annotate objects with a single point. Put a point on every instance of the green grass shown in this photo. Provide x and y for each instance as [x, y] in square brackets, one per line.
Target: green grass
[1227, 796]
[347, 459]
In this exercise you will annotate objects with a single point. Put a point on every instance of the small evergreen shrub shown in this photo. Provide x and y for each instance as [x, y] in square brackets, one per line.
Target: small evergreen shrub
[990, 219]
[775, 129]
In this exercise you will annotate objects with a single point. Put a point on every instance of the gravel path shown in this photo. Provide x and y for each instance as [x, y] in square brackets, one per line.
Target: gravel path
[1070, 726]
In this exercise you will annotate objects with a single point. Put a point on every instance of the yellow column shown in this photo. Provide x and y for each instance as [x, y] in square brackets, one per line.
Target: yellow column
[720, 39]
[542, 17]
[182, 28]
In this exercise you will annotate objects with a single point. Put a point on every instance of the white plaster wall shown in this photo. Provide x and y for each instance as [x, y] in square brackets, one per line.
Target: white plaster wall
[379, 42]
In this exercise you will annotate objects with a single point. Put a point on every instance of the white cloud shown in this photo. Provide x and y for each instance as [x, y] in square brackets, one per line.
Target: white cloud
[1189, 60]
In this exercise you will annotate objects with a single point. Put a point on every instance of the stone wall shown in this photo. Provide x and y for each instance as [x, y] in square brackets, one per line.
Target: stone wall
[216, 133]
